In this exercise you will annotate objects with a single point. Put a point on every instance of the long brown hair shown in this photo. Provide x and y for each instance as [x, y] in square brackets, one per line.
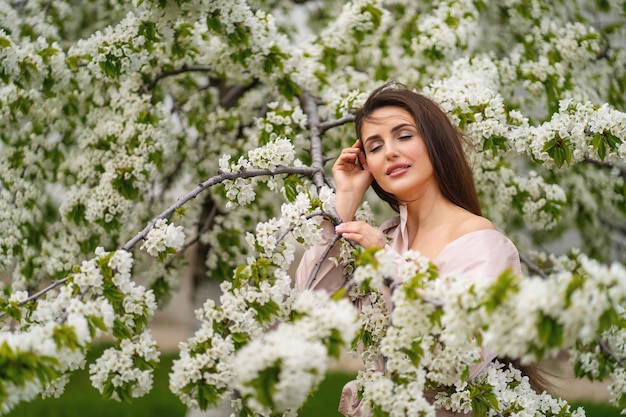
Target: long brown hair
[444, 142]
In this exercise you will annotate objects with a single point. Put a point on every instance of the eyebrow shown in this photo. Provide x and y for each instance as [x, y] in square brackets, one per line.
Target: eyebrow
[393, 130]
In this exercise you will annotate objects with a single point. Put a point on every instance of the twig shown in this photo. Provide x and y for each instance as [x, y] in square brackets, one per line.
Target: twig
[602, 164]
[290, 229]
[317, 155]
[323, 127]
[309, 107]
[170, 73]
[227, 176]
[607, 350]
[182, 201]
[37, 294]
[322, 258]
[532, 266]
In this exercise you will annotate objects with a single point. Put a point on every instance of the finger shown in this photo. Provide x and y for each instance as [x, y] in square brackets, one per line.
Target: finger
[349, 227]
[350, 156]
[354, 237]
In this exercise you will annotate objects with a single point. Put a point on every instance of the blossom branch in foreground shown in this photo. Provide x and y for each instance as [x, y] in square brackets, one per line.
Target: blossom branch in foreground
[225, 176]
[129, 245]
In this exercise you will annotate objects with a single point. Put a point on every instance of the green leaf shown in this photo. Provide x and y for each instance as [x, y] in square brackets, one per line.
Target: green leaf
[605, 142]
[161, 290]
[265, 384]
[415, 353]
[5, 42]
[265, 312]
[142, 364]
[47, 53]
[65, 336]
[148, 30]
[125, 187]
[14, 311]
[559, 150]
[550, 331]
[609, 318]
[483, 400]
[334, 342]
[495, 144]
[506, 284]
[95, 323]
[339, 294]
[213, 22]
[435, 316]
[575, 284]
[124, 392]
[239, 339]
[111, 66]
[288, 88]
[291, 184]
[120, 330]
[207, 395]
[112, 293]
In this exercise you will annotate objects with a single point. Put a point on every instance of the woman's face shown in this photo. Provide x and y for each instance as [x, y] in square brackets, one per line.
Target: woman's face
[396, 154]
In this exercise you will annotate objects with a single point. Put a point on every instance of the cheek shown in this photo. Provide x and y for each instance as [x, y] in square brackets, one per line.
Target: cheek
[375, 164]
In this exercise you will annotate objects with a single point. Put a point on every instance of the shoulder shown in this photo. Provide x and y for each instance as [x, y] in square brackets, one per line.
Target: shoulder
[480, 252]
[468, 223]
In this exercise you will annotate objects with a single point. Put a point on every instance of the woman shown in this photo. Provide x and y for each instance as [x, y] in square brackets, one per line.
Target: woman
[409, 151]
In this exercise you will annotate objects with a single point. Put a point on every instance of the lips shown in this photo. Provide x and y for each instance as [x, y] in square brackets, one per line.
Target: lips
[397, 169]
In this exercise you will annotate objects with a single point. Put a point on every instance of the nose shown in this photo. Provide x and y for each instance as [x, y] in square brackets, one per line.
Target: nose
[390, 150]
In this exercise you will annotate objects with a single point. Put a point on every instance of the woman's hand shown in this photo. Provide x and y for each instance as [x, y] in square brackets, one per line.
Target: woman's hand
[352, 178]
[362, 233]
[350, 171]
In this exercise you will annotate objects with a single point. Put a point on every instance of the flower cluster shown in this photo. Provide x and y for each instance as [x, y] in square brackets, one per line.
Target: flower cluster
[259, 295]
[439, 326]
[97, 298]
[510, 392]
[278, 152]
[126, 372]
[270, 238]
[277, 373]
[443, 32]
[163, 238]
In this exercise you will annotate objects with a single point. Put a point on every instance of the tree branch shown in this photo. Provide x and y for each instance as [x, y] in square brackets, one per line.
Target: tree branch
[38, 294]
[290, 229]
[317, 153]
[218, 179]
[323, 127]
[170, 73]
[602, 164]
[322, 258]
[532, 266]
[607, 350]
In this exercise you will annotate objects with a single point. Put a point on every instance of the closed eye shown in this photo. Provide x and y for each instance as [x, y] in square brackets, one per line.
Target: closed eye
[375, 147]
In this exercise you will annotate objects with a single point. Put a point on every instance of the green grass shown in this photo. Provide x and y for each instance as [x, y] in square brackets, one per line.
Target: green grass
[82, 400]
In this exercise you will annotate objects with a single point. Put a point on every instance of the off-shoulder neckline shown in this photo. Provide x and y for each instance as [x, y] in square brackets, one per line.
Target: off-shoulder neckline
[463, 237]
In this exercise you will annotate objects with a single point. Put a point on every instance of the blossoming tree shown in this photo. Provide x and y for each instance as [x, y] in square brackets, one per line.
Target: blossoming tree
[134, 132]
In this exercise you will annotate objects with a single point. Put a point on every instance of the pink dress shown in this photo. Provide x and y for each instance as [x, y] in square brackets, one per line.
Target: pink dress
[478, 254]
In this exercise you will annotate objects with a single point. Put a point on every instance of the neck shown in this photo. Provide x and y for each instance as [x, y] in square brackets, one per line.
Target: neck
[427, 213]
